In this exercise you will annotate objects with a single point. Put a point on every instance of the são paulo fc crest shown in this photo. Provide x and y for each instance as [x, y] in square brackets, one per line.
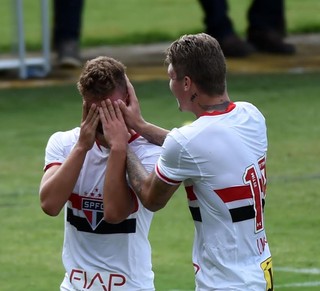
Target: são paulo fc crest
[93, 210]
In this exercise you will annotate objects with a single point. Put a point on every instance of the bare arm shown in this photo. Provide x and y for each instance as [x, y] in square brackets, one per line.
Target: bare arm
[58, 181]
[151, 132]
[134, 119]
[118, 202]
[152, 191]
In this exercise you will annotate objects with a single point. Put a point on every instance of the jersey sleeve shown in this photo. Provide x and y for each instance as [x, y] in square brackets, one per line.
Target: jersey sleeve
[55, 150]
[173, 166]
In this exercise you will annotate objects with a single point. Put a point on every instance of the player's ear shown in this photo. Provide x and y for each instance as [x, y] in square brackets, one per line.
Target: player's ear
[187, 83]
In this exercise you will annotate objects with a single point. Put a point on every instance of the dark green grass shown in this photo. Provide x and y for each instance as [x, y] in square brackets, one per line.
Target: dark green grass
[31, 242]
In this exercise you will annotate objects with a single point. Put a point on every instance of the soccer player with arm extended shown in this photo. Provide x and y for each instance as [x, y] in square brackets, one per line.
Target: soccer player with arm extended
[221, 160]
[106, 244]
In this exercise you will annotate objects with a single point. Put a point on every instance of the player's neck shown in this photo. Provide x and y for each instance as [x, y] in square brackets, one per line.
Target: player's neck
[211, 103]
[101, 140]
[215, 107]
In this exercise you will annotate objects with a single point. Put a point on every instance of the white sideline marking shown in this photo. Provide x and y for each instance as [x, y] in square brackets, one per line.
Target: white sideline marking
[311, 271]
[297, 285]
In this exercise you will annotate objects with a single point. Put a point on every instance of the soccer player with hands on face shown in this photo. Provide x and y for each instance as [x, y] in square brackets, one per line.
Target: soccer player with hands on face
[106, 244]
[221, 160]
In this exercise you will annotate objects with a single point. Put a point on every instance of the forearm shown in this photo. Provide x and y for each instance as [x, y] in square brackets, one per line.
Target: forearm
[118, 203]
[56, 188]
[152, 192]
[151, 132]
[138, 176]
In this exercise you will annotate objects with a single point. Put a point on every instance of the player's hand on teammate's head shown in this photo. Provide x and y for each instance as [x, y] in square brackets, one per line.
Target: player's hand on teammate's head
[131, 108]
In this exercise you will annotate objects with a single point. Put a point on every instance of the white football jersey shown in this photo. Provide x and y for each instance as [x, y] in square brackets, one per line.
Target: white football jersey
[221, 158]
[98, 255]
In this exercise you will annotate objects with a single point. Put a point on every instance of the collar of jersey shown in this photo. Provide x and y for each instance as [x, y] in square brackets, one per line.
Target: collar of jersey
[133, 137]
[230, 107]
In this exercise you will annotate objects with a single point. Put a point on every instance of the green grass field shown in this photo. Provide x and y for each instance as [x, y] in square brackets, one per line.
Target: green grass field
[31, 242]
[141, 21]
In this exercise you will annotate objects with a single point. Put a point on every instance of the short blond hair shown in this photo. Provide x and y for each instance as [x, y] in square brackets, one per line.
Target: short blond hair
[100, 77]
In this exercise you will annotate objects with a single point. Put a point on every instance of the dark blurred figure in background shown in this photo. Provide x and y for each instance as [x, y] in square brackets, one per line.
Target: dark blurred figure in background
[67, 24]
[265, 33]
